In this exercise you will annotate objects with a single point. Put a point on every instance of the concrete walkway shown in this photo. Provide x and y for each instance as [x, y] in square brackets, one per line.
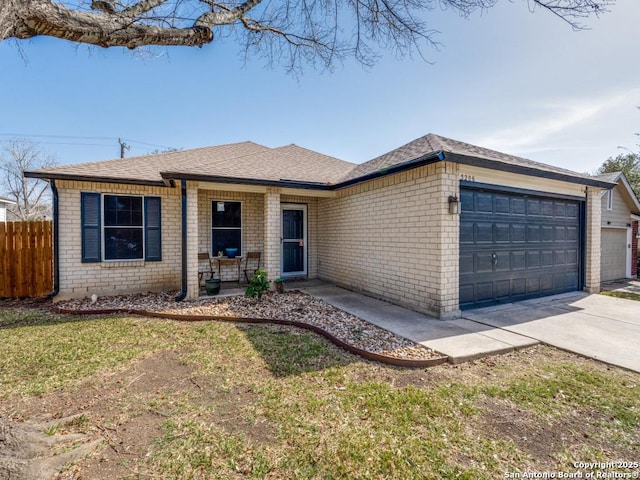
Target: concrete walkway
[461, 340]
[596, 326]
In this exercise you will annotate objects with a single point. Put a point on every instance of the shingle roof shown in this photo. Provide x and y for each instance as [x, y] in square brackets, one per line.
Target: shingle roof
[147, 168]
[283, 163]
[250, 162]
[431, 144]
[609, 177]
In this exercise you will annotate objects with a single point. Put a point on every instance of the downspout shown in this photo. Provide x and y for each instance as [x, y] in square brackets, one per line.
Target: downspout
[183, 191]
[56, 268]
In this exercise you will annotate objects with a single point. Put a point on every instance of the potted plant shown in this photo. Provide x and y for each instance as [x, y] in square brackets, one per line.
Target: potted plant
[212, 286]
[258, 285]
[279, 283]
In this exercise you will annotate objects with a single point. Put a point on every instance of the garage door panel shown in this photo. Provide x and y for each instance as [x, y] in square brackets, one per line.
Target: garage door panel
[518, 286]
[502, 233]
[502, 261]
[546, 209]
[484, 263]
[533, 285]
[546, 233]
[484, 203]
[484, 291]
[533, 259]
[518, 233]
[518, 260]
[502, 204]
[466, 264]
[559, 209]
[560, 258]
[533, 207]
[518, 206]
[533, 233]
[467, 294]
[546, 258]
[522, 247]
[502, 289]
[466, 233]
[483, 233]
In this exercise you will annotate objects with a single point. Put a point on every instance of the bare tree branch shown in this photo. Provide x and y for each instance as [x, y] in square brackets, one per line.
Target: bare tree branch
[293, 31]
[31, 194]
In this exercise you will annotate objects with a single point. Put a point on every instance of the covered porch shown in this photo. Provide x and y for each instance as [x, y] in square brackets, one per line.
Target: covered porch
[281, 224]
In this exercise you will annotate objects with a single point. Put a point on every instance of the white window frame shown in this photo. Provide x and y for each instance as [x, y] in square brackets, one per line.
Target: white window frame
[211, 227]
[103, 226]
[610, 199]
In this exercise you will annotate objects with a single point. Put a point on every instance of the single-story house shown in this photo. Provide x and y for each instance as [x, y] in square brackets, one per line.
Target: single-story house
[619, 237]
[4, 203]
[436, 225]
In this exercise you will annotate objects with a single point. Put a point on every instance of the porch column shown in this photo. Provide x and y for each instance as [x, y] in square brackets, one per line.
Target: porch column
[272, 233]
[193, 288]
[592, 246]
[447, 228]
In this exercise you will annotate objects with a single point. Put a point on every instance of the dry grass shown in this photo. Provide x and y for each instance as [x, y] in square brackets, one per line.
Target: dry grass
[211, 400]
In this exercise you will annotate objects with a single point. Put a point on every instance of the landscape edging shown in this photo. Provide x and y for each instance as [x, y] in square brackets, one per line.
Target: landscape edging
[399, 362]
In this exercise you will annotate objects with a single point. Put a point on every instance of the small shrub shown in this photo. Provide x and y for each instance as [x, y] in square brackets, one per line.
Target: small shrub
[258, 285]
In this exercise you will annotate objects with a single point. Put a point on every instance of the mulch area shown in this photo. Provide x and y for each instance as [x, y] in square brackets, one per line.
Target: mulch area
[292, 308]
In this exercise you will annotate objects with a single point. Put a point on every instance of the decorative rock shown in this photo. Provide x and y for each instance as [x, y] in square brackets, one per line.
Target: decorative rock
[291, 306]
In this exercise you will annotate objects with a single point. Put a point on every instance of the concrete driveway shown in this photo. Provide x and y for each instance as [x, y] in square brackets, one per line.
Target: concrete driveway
[597, 326]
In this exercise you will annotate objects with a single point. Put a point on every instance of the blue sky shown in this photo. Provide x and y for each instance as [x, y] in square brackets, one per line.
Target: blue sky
[519, 82]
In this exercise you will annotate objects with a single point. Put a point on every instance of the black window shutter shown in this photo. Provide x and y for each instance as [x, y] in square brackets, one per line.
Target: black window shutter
[90, 226]
[152, 230]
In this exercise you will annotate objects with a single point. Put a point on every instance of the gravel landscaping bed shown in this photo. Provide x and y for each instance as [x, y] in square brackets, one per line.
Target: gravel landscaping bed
[292, 306]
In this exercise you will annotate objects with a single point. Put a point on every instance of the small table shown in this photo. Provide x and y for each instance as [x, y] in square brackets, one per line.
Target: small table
[228, 261]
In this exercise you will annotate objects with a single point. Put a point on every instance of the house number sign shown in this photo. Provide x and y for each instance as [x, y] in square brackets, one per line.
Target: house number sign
[468, 178]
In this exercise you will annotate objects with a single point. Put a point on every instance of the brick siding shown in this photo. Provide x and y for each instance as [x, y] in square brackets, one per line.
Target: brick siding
[79, 279]
[393, 238]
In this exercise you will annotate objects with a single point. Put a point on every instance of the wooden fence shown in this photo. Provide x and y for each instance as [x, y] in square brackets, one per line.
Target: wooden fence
[26, 259]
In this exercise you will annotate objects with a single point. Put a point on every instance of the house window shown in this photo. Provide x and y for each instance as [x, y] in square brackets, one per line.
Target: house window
[120, 227]
[226, 226]
[123, 228]
[609, 199]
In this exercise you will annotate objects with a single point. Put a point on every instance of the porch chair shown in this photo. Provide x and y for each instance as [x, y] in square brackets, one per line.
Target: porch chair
[204, 267]
[251, 264]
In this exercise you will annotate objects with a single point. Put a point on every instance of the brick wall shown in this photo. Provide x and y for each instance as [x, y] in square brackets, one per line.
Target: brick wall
[393, 238]
[79, 279]
[592, 248]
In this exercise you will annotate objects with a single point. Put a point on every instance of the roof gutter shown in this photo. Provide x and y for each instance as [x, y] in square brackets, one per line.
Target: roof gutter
[56, 250]
[88, 178]
[183, 192]
[427, 159]
[523, 170]
[246, 181]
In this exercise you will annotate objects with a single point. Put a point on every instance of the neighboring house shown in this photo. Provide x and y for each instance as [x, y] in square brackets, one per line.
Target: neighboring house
[387, 227]
[4, 204]
[619, 240]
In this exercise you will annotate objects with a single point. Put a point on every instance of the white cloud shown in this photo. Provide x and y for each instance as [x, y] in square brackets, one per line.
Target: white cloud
[557, 119]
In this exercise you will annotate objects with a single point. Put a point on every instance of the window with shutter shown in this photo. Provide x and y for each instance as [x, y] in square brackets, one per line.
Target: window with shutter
[90, 226]
[153, 237]
[120, 227]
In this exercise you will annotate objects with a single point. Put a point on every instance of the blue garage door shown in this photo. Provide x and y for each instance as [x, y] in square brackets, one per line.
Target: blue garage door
[515, 246]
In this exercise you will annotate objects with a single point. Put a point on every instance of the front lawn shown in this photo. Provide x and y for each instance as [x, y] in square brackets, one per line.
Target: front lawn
[210, 400]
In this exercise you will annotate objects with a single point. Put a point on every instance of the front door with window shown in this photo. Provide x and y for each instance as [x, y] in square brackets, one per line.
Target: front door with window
[294, 240]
